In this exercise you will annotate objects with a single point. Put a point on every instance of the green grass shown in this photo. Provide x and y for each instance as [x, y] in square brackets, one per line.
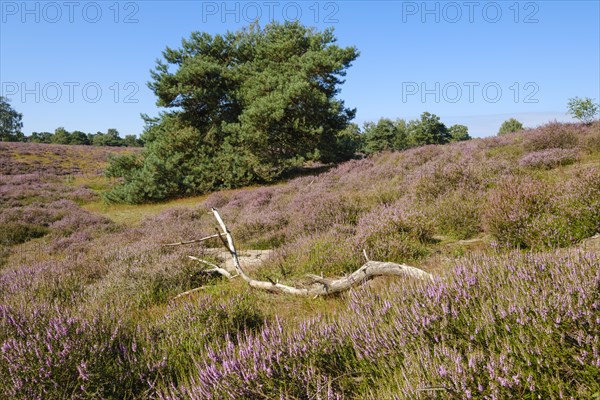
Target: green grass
[132, 215]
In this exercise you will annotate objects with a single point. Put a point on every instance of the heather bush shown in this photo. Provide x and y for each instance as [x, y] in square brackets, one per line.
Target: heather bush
[589, 137]
[458, 213]
[142, 274]
[185, 332]
[329, 253]
[511, 207]
[317, 210]
[512, 326]
[529, 213]
[258, 220]
[397, 232]
[49, 354]
[550, 136]
[276, 363]
[4, 254]
[579, 204]
[442, 175]
[47, 279]
[549, 158]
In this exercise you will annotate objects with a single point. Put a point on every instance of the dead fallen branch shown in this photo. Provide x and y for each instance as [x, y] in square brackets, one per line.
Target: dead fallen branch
[195, 240]
[189, 292]
[319, 286]
[215, 268]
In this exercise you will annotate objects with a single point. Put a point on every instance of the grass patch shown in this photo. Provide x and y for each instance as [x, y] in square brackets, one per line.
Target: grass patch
[129, 214]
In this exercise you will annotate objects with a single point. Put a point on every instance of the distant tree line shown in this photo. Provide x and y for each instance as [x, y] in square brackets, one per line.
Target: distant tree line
[62, 136]
[395, 135]
[11, 125]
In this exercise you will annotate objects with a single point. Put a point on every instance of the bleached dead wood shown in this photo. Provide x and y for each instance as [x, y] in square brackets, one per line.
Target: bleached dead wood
[321, 286]
[215, 268]
[195, 240]
[189, 292]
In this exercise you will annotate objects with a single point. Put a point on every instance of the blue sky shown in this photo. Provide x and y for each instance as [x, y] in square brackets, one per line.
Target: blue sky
[84, 65]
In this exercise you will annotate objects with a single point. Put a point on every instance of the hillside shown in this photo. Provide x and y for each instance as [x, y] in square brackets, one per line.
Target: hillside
[506, 225]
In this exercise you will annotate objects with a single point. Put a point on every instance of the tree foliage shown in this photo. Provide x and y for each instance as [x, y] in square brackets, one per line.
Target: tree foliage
[245, 107]
[62, 136]
[584, 109]
[384, 135]
[428, 130]
[10, 123]
[509, 126]
[458, 133]
[399, 135]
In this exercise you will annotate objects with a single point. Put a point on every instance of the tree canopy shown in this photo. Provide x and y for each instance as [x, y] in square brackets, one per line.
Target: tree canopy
[62, 136]
[399, 135]
[583, 109]
[242, 107]
[509, 126]
[10, 122]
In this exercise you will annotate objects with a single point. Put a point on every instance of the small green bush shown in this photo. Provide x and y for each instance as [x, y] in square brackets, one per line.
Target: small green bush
[458, 214]
[16, 233]
[510, 126]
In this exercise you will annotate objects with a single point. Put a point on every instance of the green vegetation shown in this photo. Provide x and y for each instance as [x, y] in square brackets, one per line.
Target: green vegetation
[584, 109]
[251, 105]
[90, 307]
[10, 123]
[97, 302]
[509, 126]
[62, 136]
[16, 233]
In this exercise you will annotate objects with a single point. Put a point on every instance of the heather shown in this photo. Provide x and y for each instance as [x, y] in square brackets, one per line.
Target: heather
[538, 338]
[87, 290]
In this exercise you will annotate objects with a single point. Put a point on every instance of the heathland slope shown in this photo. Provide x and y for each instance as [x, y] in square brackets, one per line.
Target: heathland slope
[504, 223]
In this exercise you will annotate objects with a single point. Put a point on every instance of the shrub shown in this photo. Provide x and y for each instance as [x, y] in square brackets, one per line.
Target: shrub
[443, 175]
[509, 126]
[550, 136]
[185, 333]
[584, 109]
[524, 212]
[397, 232]
[49, 354]
[329, 253]
[458, 213]
[549, 158]
[497, 327]
[511, 206]
[580, 204]
[16, 233]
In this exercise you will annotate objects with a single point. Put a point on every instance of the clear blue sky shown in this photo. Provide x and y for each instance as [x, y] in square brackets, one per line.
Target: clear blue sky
[84, 65]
